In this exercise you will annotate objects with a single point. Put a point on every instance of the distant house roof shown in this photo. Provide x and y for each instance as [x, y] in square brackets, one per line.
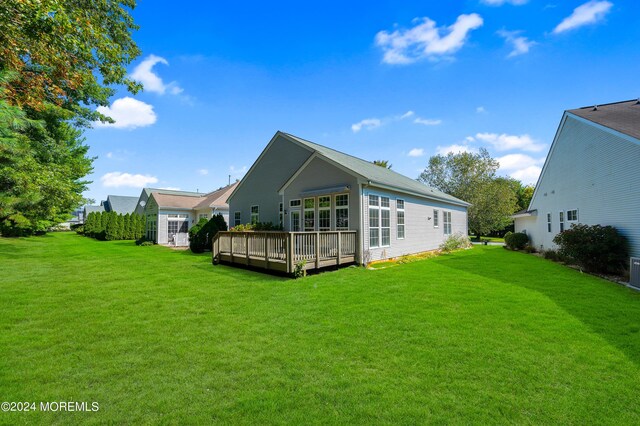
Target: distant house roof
[621, 116]
[121, 204]
[91, 209]
[217, 198]
[377, 175]
[148, 191]
[188, 202]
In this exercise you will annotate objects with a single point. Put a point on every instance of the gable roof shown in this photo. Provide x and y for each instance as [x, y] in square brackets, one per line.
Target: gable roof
[176, 201]
[218, 198]
[623, 117]
[122, 204]
[91, 209]
[376, 175]
[148, 191]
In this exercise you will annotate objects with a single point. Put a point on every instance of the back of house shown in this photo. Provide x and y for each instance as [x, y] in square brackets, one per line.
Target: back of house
[305, 187]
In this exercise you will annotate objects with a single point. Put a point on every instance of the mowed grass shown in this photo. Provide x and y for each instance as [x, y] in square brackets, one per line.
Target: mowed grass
[161, 336]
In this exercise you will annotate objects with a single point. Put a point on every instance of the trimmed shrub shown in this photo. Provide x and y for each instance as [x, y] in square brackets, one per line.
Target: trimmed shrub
[455, 242]
[596, 248]
[197, 239]
[201, 238]
[516, 240]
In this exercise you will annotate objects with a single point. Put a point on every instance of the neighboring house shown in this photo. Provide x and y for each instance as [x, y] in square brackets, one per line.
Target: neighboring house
[170, 216]
[590, 176]
[146, 192]
[120, 204]
[91, 209]
[307, 187]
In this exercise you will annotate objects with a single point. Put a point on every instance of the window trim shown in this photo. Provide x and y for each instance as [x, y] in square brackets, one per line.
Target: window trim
[337, 207]
[549, 227]
[324, 209]
[404, 218]
[446, 224]
[237, 218]
[577, 216]
[436, 218]
[378, 209]
[257, 214]
[312, 210]
[561, 220]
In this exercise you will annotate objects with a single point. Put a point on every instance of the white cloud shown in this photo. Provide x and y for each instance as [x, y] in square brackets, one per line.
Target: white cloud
[481, 110]
[514, 162]
[455, 148]
[506, 142]
[203, 172]
[150, 80]
[118, 179]
[367, 123]
[407, 115]
[501, 2]
[519, 44]
[109, 154]
[237, 171]
[425, 40]
[427, 121]
[528, 175]
[588, 13]
[128, 113]
[416, 152]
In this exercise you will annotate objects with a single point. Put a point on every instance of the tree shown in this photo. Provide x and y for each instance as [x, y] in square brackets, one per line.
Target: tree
[472, 178]
[58, 59]
[382, 163]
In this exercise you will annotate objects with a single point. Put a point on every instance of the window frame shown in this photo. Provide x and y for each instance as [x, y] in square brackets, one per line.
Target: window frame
[398, 224]
[312, 215]
[577, 217]
[237, 218]
[561, 218]
[255, 214]
[436, 218]
[341, 207]
[446, 222]
[324, 210]
[385, 209]
[549, 222]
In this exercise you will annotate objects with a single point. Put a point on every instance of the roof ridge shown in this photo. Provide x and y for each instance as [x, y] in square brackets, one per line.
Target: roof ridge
[600, 105]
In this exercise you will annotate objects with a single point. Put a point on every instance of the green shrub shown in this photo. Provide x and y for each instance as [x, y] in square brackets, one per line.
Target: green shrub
[197, 239]
[260, 226]
[201, 235]
[79, 229]
[596, 248]
[516, 240]
[299, 271]
[455, 242]
[144, 242]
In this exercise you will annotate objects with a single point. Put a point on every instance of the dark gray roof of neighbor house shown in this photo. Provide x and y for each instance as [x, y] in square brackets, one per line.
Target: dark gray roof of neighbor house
[621, 116]
[378, 175]
[91, 209]
[122, 204]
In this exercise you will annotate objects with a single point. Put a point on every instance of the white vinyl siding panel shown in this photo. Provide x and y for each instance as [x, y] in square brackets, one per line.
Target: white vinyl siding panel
[594, 171]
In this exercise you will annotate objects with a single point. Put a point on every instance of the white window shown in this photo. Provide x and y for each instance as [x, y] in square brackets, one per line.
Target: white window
[379, 221]
[295, 220]
[151, 227]
[281, 215]
[295, 203]
[177, 226]
[178, 216]
[435, 218]
[309, 214]
[572, 215]
[400, 219]
[561, 221]
[342, 211]
[374, 221]
[446, 220]
[255, 214]
[548, 222]
[203, 216]
[324, 213]
[236, 219]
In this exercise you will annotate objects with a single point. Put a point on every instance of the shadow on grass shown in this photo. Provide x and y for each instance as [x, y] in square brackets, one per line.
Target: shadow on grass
[609, 309]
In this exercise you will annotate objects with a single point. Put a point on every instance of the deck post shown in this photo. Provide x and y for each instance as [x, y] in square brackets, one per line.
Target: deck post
[231, 246]
[339, 248]
[290, 242]
[266, 249]
[246, 246]
[317, 250]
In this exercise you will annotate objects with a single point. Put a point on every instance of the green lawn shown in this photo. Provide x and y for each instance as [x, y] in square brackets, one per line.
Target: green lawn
[154, 335]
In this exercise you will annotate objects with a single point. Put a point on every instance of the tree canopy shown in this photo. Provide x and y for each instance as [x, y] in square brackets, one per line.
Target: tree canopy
[382, 163]
[58, 59]
[472, 178]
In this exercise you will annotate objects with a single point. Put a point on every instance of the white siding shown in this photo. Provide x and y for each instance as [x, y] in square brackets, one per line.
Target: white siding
[420, 234]
[594, 170]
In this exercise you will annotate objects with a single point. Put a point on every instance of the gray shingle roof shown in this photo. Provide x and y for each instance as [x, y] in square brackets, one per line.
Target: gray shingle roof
[170, 191]
[378, 175]
[91, 209]
[621, 116]
[122, 204]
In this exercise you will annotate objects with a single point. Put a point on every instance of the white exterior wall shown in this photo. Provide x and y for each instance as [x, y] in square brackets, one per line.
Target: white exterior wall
[594, 170]
[420, 233]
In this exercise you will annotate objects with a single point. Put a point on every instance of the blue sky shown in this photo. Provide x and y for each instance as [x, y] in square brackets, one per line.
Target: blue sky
[376, 80]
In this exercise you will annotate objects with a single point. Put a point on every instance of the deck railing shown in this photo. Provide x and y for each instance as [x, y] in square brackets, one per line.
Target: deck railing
[283, 251]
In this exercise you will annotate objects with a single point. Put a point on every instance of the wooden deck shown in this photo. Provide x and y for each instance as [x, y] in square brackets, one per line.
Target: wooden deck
[282, 251]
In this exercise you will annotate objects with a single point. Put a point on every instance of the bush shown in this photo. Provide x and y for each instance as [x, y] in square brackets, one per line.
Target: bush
[596, 248]
[516, 240]
[260, 226]
[201, 239]
[143, 242]
[78, 228]
[455, 242]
